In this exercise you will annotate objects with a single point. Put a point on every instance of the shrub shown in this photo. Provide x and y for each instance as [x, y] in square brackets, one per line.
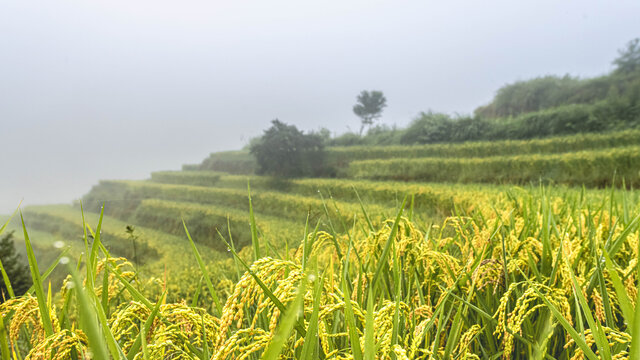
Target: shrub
[285, 151]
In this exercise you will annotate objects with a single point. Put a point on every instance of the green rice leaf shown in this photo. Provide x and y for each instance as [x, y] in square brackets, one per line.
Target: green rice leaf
[287, 322]
[37, 283]
[204, 271]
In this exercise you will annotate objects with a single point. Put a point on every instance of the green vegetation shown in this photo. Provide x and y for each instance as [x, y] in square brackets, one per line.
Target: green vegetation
[590, 168]
[369, 107]
[12, 266]
[340, 156]
[285, 151]
[232, 162]
[535, 108]
[422, 251]
[540, 275]
[583, 159]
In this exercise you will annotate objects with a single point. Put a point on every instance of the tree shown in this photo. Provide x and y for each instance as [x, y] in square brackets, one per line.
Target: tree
[285, 151]
[17, 271]
[429, 127]
[369, 107]
[629, 59]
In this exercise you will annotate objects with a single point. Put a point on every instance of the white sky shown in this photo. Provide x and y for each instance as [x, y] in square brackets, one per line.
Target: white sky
[116, 89]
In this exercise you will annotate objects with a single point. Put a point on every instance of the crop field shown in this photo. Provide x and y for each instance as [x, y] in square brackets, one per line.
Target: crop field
[561, 144]
[496, 257]
[589, 159]
[540, 274]
[319, 212]
[595, 168]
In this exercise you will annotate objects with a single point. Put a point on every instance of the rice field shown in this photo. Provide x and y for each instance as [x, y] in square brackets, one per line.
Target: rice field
[541, 273]
[195, 264]
[580, 159]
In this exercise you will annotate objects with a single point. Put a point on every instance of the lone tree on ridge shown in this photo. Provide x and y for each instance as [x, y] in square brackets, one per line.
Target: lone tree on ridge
[369, 107]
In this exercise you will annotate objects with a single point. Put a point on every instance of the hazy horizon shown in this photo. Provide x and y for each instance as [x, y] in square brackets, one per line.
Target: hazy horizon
[118, 89]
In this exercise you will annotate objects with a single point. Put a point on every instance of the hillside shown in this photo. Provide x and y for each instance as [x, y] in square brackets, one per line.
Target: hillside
[524, 247]
[434, 268]
[594, 160]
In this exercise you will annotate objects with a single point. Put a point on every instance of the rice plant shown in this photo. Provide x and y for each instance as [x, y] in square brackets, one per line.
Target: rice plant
[539, 275]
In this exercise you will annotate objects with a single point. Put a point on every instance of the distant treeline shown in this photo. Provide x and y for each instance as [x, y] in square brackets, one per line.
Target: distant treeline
[540, 107]
[536, 108]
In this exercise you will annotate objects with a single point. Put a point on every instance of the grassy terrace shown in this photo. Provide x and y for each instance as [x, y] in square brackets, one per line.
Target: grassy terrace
[65, 222]
[430, 198]
[123, 196]
[551, 145]
[594, 168]
[339, 158]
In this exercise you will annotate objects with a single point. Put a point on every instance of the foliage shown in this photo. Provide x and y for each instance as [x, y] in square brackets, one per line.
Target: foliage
[552, 91]
[428, 128]
[285, 151]
[628, 60]
[542, 275]
[369, 107]
[232, 162]
[15, 268]
[530, 95]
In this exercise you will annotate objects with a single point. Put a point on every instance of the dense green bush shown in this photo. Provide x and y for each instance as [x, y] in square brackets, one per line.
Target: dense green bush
[428, 128]
[285, 151]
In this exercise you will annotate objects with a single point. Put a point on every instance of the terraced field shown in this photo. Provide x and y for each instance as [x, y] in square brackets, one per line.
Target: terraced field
[215, 203]
[584, 159]
[468, 266]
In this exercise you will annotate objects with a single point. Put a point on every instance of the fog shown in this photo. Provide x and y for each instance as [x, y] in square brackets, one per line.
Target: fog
[117, 89]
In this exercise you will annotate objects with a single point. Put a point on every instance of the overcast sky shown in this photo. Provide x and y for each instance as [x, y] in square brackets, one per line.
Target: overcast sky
[115, 89]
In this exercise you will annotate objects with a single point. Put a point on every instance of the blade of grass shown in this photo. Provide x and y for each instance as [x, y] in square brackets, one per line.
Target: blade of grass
[105, 288]
[92, 263]
[50, 269]
[623, 297]
[196, 296]
[369, 340]
[311, 340]
[350, 318]
[364, 211]
[254, 229]
[308, 245]
[333, 229]
[7, 282]
[204, 271]
[37, 283]
[4, 342]
[133, 351]
[387, 246]
[287, 322]
[634, 352]
[577, 338]
[598, 334]
[88, 321]
[4, 226]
